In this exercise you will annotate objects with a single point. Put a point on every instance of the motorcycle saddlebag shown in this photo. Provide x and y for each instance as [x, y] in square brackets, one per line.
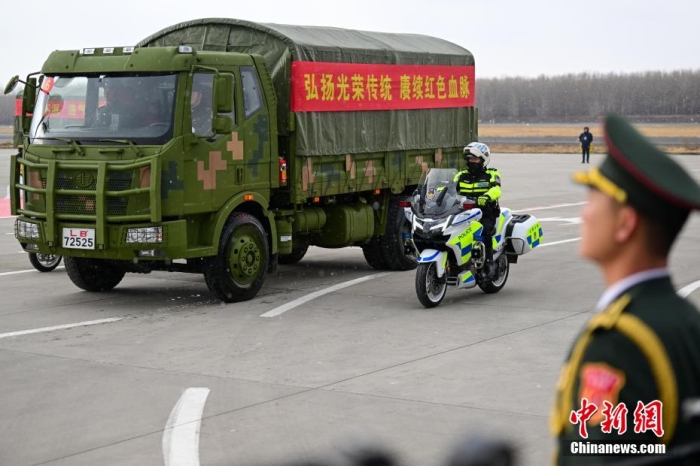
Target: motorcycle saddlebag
[523, 234]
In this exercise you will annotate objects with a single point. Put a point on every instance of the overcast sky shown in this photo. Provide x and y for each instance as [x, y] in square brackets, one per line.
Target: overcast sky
[507, 37]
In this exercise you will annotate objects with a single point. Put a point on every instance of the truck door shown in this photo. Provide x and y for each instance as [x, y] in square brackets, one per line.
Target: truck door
[256, 125]
[217, 158]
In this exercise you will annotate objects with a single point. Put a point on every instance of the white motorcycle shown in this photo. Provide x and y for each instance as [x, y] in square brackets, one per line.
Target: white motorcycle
[446, 236]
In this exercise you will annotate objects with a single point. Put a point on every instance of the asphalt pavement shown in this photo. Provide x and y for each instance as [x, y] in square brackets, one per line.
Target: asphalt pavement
[158, 372]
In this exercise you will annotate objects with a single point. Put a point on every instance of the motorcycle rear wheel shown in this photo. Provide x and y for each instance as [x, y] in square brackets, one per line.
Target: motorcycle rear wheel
[502, 270]
[430, 289]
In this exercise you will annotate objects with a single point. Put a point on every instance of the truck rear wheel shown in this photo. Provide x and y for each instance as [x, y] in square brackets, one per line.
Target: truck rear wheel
[392, 245]
[296, 255]
[373, 254]
[237, 272]
[93, 274]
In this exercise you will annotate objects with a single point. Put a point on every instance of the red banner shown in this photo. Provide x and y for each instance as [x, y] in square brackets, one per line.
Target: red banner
[343, 87]
[69, 109]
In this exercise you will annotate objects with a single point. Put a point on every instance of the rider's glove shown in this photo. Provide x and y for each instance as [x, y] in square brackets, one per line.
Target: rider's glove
[482, 200]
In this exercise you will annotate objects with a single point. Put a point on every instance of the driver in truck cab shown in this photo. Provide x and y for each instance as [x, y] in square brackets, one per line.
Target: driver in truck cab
[483, 185]
[123, 109]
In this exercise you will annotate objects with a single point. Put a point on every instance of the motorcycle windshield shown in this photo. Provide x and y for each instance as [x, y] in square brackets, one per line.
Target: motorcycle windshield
[436, 194]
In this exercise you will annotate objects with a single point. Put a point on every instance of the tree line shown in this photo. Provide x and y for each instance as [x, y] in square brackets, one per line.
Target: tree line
[653, 96]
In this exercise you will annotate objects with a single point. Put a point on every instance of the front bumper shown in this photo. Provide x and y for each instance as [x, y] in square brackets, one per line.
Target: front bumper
[118, 241]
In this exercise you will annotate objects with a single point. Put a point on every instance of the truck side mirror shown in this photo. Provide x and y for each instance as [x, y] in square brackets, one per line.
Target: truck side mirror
[223, 93]
[12, 83]
[28, 102]
[222, 124]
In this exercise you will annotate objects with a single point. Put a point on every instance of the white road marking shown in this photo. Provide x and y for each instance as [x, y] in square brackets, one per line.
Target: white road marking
[569, 220]
[299, 301]
[60, 327]
[26, 271]
[559, 242]
[181, 435]
[556, 206]
[686, 290]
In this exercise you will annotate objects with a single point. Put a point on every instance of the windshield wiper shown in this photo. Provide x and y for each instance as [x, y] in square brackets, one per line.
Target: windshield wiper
[133, 146]
[76, 147]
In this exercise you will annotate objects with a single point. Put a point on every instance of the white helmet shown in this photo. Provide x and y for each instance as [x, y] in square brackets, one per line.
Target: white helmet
[478, 149]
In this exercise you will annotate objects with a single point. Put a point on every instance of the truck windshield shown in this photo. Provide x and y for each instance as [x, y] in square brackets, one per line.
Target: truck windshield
[94, 108]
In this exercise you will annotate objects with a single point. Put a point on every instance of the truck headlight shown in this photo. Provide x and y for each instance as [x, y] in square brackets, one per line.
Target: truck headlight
[26, 229]
[145, 235]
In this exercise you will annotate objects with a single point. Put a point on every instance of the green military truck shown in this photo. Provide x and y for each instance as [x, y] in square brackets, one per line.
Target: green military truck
[225, 147]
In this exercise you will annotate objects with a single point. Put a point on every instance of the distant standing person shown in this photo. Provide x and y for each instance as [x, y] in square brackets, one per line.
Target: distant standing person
[586, 138]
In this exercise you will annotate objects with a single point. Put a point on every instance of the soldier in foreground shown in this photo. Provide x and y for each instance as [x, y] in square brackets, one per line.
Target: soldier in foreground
[637, 361]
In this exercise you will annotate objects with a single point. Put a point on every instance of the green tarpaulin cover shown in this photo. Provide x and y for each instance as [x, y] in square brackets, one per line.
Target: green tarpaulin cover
[337, 133]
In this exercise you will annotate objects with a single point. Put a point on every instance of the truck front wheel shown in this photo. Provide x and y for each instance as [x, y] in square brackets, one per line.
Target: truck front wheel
[93, 274]
[237, 272]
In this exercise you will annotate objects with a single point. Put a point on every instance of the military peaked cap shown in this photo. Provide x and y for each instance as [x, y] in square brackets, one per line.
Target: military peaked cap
[637, 173]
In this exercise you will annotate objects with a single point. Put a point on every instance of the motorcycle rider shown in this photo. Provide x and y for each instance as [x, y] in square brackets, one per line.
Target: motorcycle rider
[483, 185]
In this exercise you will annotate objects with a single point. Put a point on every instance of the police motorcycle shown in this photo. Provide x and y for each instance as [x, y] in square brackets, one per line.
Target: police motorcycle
[44, 262]
[446, 238]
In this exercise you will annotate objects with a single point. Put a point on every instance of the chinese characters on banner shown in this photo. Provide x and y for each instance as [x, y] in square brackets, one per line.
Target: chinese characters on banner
[335, 87]
[72, 109]
[647, 417]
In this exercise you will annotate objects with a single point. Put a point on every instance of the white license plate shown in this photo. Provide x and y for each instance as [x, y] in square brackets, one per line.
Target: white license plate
[79, 238]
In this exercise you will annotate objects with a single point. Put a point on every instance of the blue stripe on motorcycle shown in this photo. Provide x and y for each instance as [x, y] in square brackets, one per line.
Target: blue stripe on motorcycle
[428, 259]
[466, 250]
[536, 243]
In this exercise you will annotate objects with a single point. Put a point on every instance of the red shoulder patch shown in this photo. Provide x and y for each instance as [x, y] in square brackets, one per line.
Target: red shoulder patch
[600, 382]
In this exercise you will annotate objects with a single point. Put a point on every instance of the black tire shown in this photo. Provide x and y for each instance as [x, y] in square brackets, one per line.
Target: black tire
[44, 262]
[93, 274]
[502, 271]
[430, 289]
[238, 271]
[373, 254]
[394, 253]
[296, 255]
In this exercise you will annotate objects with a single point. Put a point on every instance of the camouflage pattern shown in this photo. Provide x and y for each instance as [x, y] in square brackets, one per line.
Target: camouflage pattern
[193, 186]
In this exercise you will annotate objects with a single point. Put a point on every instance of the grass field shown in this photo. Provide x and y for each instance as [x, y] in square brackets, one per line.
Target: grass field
[688, 134]
[654, 131]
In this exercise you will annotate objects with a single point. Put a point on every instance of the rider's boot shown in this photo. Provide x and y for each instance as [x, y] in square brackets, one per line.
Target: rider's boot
[489, 266]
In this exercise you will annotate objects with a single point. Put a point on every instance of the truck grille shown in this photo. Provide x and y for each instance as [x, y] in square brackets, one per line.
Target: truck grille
[87, 181]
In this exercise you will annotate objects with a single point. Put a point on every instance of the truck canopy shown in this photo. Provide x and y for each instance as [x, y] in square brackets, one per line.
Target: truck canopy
[337, 132]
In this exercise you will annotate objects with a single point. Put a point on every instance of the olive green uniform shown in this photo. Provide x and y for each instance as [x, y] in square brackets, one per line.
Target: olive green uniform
[642, 352]
[654, 356]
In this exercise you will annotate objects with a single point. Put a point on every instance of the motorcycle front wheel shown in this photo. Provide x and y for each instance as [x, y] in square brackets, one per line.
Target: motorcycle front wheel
[501, 275]
[430, 289]
[44, 262]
